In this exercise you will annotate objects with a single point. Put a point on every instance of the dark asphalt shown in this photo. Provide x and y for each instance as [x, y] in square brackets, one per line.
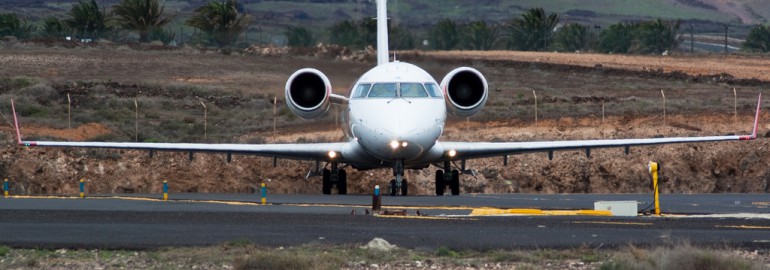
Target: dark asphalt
[205, 219]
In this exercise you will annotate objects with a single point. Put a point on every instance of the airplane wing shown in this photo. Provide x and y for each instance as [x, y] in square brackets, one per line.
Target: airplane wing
[302, 151]
[470, 150]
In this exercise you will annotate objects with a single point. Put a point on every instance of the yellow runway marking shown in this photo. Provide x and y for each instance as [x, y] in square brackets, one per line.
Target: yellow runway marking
[614, 223]
[424, 217]
[537, 212]
[744, 227]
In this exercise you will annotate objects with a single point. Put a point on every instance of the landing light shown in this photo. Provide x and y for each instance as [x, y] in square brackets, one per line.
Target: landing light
[404, 144]
[332, 154]
[394, 144]
[452, 153]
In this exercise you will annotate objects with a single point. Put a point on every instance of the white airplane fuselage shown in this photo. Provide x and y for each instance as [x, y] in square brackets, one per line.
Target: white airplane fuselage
[400, 126]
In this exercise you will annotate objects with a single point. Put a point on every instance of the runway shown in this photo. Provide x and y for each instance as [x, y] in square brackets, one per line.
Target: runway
[145, 221]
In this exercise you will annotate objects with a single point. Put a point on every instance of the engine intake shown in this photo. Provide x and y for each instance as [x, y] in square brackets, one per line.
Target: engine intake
[307, 93]
[466, 91]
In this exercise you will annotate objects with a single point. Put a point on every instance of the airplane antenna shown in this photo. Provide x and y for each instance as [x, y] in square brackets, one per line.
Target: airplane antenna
[382, 32]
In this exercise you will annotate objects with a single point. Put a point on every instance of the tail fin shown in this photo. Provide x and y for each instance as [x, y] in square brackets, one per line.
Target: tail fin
[382, 32]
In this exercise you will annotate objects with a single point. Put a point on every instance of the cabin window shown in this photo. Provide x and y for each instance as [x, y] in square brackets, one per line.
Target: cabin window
[361, 90]
[383, 90]
[433, 90]
[413, 90]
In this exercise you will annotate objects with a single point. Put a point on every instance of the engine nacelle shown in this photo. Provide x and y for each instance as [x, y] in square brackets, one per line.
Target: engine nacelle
[307, 93]
[466, 91]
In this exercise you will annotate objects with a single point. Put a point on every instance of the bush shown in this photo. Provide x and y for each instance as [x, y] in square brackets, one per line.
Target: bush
[758, 39]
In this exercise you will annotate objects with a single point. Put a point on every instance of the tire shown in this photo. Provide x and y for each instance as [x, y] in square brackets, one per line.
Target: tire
[392, 187]
[440, 185]
[342, 184]
[326, 175]
[404, 188]
[455, 183]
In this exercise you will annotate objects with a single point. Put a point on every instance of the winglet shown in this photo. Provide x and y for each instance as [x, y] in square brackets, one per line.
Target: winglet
[16, 123]
[756, 121]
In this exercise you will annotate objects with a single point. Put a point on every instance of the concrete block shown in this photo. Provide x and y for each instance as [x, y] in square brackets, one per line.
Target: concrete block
[618, 208]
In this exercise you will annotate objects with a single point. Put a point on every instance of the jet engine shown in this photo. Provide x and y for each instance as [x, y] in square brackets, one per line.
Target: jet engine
[307, 93]
[466, 91]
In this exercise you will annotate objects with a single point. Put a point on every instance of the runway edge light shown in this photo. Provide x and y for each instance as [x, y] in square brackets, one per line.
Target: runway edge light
[82, 188]
[165, 190]
[264, 194]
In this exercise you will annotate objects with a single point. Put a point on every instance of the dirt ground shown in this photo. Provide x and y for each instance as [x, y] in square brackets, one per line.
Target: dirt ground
[580, 96]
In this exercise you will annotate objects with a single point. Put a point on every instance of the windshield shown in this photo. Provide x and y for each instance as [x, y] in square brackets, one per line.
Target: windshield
[394, 90]
[379, 90]
[361, 90]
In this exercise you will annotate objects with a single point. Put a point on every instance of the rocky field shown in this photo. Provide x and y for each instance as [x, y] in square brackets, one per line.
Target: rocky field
[580, 96]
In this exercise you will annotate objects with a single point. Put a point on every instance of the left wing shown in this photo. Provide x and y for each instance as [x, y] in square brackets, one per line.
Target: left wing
[306, 151]
[470, 150]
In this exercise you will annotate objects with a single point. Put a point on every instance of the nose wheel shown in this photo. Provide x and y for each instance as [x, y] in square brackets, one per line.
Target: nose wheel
[398, 184]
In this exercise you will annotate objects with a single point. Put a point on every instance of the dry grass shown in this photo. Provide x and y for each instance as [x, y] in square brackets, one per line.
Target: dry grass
[242, 254]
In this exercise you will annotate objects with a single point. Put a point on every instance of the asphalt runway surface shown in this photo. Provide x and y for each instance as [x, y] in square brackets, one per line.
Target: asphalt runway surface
[144, 221]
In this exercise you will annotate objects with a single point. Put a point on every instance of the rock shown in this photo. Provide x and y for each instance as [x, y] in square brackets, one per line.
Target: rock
[379, 244]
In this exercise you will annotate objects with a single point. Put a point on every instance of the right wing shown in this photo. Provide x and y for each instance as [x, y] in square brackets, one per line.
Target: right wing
[304, 151]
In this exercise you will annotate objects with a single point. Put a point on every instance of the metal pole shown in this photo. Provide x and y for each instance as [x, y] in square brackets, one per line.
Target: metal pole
[69, 112]
[205, 121]
[535, 94]
[664, 106]
[136, 121]
[735, 106]
[275, 110]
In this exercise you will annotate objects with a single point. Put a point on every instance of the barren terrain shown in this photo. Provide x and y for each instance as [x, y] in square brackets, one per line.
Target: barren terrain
[580, 96]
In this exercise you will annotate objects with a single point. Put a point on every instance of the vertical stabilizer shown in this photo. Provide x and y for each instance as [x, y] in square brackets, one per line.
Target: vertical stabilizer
[382, 32]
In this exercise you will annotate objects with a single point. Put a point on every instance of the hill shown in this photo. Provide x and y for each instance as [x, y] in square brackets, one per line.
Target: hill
[272, 16]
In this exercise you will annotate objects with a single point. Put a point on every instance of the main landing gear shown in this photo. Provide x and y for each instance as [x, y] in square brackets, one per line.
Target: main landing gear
[332, 177]
[398, 184]
[449, 178]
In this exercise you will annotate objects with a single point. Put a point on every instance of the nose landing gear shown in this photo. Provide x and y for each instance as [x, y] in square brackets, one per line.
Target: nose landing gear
[398, 184]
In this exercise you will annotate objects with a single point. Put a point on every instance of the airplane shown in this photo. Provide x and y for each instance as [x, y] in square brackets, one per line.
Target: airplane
[394, 116]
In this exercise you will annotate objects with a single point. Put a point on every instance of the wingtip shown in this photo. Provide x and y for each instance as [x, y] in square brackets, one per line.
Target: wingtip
[16, 124]
[756, 120]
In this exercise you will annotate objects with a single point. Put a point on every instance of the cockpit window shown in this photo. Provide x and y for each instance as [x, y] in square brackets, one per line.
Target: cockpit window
[361, 90]
[413, 90]
[433, 90]
[387, 90]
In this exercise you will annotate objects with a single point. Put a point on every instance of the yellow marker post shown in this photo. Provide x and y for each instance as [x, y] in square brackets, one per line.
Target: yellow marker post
[5, 187]
[165, 190]
[82, 188]
[654, 171]
[264, 194]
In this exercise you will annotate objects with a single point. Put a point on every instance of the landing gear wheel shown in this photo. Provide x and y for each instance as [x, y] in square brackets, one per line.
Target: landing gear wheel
[440, 185]
[342, 185]
[393, 188]
[404, 188]
[455, 183]
[326, 175]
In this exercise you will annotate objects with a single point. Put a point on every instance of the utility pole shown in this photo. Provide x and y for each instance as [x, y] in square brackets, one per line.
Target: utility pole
[726, 32]
[692, 40]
